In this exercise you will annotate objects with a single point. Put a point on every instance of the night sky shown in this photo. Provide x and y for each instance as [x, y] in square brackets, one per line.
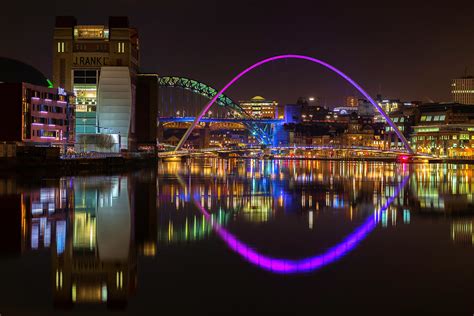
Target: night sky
[403, 51]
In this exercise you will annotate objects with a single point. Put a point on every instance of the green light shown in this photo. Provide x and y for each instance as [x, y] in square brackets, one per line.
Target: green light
[50, 84]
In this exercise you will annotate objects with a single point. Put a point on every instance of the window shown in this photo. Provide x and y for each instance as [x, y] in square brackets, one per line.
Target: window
[121, 47]
[61, 47]
[423, 118]
[85, 76]
[429, 118]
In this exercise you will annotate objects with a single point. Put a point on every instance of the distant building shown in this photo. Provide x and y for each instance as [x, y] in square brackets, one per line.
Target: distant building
[352, 101]
[79, 54]
[36, 114]
[259, 107]
[365, 108]
[462, 90]
[344, 110]
[293, 113]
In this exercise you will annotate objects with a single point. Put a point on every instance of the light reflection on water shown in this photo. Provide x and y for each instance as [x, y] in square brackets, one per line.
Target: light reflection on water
[274, 215]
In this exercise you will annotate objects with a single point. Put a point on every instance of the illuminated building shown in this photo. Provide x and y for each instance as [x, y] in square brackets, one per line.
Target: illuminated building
[445, 129]
[259, 107]
[344, 110]
[352, 101]
[462, 90]
[388, 105]
[292, 113]
[98, 61]
[358, 134]
[36, 114]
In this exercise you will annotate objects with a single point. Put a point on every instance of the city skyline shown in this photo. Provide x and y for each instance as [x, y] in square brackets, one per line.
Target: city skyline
[400, 57]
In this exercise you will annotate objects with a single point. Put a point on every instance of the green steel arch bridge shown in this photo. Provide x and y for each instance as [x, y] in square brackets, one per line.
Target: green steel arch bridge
[262, 131]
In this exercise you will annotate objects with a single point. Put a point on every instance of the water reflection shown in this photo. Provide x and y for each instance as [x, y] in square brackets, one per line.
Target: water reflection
[97, 229]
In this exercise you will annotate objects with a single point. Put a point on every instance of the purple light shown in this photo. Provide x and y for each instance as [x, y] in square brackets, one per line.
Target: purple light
[43, 112]
[37, 124]
[286, 266]
[314, 60]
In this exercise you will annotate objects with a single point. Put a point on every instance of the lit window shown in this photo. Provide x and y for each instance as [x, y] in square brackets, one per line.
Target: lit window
[423, 118]
[61, 47]
[121, 47]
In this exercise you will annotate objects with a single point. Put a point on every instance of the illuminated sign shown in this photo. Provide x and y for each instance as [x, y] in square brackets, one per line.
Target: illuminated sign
[61, 91]
[90, 61]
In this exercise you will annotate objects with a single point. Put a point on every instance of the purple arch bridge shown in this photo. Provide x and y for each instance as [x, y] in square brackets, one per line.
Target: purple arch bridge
[314, 60]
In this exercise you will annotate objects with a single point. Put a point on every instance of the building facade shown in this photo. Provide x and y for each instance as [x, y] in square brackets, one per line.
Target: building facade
[79, 54]
[445, 130]
[462, 90]
[352, 101]
[36, 114]
[259, 107]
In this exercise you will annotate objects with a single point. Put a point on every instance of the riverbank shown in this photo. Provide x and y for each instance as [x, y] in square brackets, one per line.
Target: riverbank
[57, 166]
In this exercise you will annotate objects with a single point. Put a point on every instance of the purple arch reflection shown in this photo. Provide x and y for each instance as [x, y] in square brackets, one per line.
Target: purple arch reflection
[289, 56]
[286, 266]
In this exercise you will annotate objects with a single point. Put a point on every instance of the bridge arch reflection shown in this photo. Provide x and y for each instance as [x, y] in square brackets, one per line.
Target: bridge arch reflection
[287, 266]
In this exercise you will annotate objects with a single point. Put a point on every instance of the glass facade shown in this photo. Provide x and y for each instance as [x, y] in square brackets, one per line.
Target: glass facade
[85, 88]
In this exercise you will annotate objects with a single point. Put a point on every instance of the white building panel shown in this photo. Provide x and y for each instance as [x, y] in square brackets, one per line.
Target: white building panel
[115, 102]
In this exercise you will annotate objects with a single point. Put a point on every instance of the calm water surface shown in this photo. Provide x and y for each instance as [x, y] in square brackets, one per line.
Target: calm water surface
[241, 236]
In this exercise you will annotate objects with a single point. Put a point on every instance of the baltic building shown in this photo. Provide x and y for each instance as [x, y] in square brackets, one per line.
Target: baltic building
[99, 63]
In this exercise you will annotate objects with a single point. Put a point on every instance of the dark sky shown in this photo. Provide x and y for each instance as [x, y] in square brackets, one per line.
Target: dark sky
[405, 51]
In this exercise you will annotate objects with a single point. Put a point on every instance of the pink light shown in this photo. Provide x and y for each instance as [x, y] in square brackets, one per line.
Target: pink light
[48, 100]
[37, 124]
[52, 125]
[289, 56]
[287, 266]
[44, 112]
[35, 98]
[48, 137]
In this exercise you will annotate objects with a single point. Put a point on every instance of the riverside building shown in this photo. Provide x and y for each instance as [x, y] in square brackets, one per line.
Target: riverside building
[99, 63]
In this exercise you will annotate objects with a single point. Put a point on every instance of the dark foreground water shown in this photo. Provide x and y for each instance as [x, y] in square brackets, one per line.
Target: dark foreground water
[249, 237]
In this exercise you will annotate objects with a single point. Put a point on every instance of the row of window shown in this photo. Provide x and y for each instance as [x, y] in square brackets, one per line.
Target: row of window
[430, 118]
[44, 95]
[44, 120]
[398, 119]
[48, 108]
[445, 137]
[61, 47]
[44, 133]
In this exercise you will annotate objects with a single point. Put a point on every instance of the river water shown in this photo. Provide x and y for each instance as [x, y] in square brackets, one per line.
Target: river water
[241, 236]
